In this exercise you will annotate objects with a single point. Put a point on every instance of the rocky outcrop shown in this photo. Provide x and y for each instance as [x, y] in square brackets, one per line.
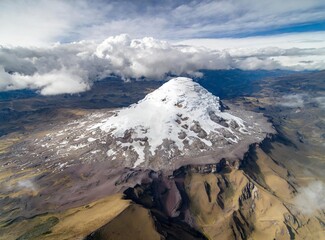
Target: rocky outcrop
[249, 192]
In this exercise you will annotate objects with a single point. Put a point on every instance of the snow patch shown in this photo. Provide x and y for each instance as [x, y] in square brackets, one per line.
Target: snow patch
[91, 139]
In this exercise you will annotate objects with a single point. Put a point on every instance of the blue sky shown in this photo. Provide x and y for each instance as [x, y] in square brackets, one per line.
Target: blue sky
[39, 22]
[307, 27]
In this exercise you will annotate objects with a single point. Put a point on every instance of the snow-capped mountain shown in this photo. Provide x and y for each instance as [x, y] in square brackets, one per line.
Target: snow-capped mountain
[179, 123]
[180, 118]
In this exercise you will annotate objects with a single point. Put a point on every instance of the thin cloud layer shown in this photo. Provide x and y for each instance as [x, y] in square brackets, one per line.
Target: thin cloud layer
[293, 101]
[311, 198]
[35, 23]
[298, 51]
[73, 67]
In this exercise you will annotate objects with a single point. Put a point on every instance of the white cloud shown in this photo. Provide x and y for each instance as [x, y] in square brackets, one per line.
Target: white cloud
[187, 19]
[41, 22]
[51, 83]
[305, 40]
[299, 51]
[311, 198]
[320, 101]
[26, 184]
[33, 22]
[154, 59]
[72, 67]
[23, 184]
[253, 63]
[292, 101]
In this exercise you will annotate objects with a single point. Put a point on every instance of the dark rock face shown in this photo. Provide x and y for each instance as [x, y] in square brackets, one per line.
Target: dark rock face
[233, 124]
[161, 193]
[240, 226]
[301, 137]
[223, 106]
[208, 190]
[196, 127]
[222, 166]
[167, 200]
[202, 134]
[218, 119]
[182, 135]
[248, 192]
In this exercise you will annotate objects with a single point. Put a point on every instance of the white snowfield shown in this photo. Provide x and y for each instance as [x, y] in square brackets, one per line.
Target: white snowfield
[171, 112]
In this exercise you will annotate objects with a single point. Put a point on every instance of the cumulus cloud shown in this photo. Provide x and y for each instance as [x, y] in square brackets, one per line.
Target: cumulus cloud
[51, 83]
[153, 58]
[73, 67]
[311, 198]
